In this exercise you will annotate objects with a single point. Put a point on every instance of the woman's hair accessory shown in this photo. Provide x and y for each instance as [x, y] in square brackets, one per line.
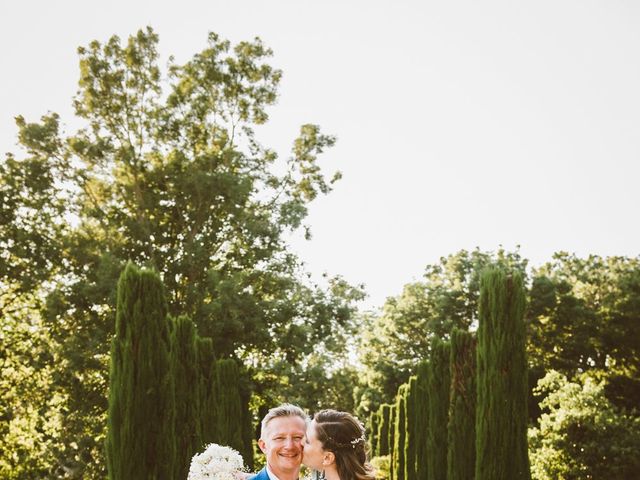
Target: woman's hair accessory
[351, 444]
[357, 441]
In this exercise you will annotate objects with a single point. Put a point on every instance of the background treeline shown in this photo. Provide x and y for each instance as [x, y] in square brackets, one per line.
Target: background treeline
[582, 413]
[167, 172]
[464, 414]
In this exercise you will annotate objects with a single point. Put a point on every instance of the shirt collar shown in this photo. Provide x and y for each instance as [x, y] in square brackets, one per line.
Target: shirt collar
[272, 476]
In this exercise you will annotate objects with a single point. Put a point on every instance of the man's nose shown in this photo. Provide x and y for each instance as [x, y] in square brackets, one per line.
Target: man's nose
[291, 442]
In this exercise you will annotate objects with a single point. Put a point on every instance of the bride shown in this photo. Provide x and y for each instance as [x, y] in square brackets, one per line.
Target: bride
[335, 446]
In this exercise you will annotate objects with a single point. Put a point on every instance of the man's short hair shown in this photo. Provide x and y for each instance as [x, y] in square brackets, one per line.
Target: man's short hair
[284, 410]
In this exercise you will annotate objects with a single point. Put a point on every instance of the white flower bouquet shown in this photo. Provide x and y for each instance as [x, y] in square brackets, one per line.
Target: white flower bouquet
[216, 462]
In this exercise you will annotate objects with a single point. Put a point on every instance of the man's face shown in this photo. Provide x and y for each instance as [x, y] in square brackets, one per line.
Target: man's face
[282, 443]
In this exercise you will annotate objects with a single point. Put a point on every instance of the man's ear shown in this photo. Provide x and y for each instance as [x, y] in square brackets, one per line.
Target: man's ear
[328, 459]
[262, 445]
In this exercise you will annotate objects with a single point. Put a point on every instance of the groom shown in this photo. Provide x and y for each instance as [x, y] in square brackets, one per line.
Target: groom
[282, 435]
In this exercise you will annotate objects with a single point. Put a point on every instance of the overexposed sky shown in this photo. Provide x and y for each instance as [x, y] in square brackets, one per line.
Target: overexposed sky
[459, 124]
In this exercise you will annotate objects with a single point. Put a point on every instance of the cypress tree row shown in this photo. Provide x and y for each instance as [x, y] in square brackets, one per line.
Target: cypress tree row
[438, 383]
[501, 415]
[140, 425]
[410, 438]
[422, 419]
[229, 404]
[374, 425]
[167, 394]
[186, 374]
[383, 430]
[400, 435]
[207, 391]
[462, 407]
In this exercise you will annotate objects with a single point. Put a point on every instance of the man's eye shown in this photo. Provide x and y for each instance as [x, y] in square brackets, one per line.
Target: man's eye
[279, 438]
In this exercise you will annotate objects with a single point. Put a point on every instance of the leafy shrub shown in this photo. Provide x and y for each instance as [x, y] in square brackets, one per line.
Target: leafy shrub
[582, 435]
[381, 466]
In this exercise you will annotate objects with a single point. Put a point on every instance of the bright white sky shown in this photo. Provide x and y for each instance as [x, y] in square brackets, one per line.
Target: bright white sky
[459, 123]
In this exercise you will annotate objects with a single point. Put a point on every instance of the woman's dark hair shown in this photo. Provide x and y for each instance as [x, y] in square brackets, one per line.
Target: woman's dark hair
[342, 434]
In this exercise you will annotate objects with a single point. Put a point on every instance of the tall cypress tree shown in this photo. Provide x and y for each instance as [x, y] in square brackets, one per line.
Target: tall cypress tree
[422, 419]
[374, 425]
[247, 423]
[501, 415]
[186, 374]
[411, 430]
[230, 414]
[400, 425]
[140, 425]
[438, 383]
[207, 391]
[462, 407]
[208, 380]
[383, 430]
[392, 440]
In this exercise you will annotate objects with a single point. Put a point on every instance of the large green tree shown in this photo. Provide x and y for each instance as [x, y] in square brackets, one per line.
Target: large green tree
[165, 171]
[582, 435]
[583, 316]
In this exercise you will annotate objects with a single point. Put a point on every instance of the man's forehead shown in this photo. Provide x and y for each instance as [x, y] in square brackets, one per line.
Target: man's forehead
[286, 425]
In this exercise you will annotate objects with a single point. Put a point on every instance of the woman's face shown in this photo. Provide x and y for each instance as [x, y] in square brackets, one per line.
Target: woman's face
[313, 453]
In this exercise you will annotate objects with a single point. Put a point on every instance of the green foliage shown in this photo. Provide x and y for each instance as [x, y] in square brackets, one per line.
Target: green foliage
[32, 206]
[461, 456]
[166, 171]
[395, 341]
[582, 435]
[30, 409]
[323, 380]
[438, 385]
[381, 466]
[501, 425]
[398, 457]
[391, 343]
[140, 437]
[583, 316]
